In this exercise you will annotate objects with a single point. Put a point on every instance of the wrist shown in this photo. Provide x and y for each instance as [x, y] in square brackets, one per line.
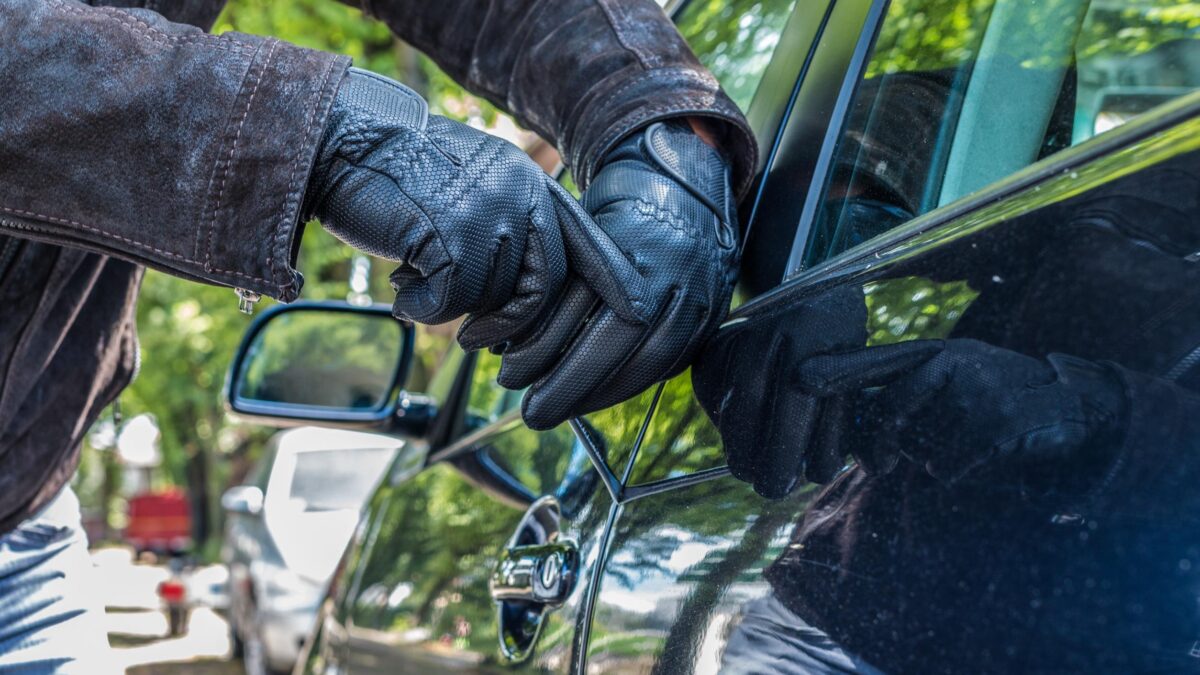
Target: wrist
[703, 128]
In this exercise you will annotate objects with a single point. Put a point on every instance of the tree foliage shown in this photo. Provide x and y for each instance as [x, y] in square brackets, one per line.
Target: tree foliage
[188, 331]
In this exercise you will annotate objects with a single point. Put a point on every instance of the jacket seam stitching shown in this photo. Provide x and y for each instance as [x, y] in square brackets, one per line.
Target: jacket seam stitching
[650, 75]
[612, 23]
[291, 196]
[228, 164]
[132, 242]
[150, 32]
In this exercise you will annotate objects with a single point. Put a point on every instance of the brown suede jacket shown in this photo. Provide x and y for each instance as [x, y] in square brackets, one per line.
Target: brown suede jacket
[129, 136]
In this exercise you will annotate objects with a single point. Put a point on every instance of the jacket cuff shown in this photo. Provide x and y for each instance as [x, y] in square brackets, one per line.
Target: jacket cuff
[246, 234]
[638, 101]
[1154, 472]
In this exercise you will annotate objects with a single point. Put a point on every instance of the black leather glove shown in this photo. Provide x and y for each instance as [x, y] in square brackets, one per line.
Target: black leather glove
[745, 382]
[476, 225]
[962, 408]
[664, 200]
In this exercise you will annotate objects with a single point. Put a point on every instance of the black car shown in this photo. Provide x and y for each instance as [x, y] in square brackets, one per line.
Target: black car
[1003, 196]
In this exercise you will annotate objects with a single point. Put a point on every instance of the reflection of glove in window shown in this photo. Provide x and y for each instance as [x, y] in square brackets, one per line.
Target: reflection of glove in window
[744, 382]
[963, 408]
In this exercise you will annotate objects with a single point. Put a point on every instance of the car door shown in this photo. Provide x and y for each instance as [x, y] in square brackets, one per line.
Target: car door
[415, 592]
[418, 590]
[969, 171]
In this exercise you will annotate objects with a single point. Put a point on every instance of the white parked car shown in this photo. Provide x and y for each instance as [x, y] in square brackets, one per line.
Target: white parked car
[286, 530]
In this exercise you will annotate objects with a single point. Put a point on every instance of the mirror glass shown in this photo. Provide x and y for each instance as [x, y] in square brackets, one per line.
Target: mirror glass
[344, 361]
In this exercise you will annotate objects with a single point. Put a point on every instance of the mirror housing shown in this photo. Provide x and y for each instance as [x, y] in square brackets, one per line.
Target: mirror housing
[246, 500]
[328, 362]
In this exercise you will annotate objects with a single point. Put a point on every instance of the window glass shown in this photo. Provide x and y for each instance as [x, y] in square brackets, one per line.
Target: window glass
[958, 94]
[488, 401]
[334, 480]
[436, 358]
[735, 39]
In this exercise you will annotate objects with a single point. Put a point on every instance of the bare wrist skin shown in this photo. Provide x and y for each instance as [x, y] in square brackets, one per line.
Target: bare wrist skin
[703, 128]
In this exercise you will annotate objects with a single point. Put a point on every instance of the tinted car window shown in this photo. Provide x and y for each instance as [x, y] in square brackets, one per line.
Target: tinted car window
[1022, 501]
[960, 93]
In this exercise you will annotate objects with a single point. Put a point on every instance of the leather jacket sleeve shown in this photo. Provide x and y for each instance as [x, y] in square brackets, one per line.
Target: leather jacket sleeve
[127, 134]
[582, 73]
[1155, 471]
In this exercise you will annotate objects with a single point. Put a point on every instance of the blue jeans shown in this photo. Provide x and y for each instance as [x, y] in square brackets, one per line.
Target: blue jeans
[51, 614]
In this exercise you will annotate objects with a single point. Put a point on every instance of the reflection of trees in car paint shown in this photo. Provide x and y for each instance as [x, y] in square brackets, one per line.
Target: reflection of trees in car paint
[618, 427]
[912, 308]
[433, 541]
[680, 439]
[431, 545]
[712, 541]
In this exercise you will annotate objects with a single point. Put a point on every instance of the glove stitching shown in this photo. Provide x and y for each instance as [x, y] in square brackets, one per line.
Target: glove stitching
[669, 218]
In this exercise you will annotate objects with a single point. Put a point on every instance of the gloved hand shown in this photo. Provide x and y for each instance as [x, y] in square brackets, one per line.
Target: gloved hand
[476, 225]
[962, 408]
[745, 383]
[663, 199]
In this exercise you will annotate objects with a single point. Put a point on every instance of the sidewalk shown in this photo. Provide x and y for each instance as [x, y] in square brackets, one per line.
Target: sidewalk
[137, 627]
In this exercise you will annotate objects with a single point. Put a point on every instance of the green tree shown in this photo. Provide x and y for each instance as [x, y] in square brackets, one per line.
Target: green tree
[189, 331]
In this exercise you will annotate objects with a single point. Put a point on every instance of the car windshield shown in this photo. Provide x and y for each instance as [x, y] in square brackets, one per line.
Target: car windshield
[331, 480]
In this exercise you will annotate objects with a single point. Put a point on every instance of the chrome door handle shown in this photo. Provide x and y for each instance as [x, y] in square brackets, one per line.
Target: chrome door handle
[542, 574]
[534, 575]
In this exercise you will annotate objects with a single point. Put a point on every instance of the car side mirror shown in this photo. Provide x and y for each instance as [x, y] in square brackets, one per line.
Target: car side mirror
[244, 499]
[327, 362]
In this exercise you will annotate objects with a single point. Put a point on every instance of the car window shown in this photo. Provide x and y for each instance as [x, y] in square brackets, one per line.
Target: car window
[958, 94]
[488, 401]
[734, 39]
[334, 480]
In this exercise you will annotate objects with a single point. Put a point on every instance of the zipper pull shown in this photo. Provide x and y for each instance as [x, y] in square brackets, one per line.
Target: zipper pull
[246, 300]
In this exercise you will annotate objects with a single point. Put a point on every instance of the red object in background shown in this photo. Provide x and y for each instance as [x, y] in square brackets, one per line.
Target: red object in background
[159, 521]
[172, 591]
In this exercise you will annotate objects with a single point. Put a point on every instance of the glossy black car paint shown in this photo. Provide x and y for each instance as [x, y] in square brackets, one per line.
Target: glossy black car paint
[685, 569]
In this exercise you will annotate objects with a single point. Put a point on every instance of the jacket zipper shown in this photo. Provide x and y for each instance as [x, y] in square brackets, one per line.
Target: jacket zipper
[10, 246]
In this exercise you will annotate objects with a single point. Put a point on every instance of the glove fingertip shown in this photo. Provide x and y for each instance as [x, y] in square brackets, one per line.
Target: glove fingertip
[471, 336]
[535, 414]
[775, 485]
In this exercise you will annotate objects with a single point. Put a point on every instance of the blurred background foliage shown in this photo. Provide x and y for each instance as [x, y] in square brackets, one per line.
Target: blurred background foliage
[189, 331]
